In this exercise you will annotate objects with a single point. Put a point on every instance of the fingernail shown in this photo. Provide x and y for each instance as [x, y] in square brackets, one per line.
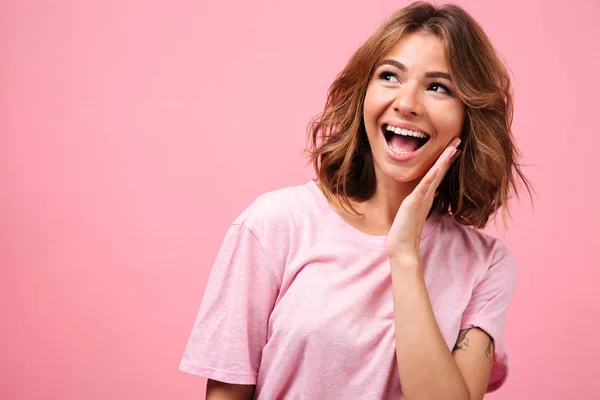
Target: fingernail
[458, 141]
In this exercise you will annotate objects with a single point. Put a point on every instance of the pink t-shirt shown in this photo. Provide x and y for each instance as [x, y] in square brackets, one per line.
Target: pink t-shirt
[299, 302]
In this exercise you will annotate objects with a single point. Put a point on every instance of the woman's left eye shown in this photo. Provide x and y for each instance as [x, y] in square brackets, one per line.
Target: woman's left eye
[439, 85]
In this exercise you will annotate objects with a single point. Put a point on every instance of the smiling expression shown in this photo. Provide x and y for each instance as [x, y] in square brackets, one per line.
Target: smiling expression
[411, 88]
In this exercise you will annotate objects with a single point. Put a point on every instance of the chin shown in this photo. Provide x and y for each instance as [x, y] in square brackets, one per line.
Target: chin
[401, 174]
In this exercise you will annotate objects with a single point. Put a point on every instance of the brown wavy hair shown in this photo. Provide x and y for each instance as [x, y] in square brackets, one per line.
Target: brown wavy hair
[486, 175]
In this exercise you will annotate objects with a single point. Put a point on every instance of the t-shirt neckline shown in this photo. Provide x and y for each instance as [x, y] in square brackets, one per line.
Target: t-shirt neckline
[430, 224]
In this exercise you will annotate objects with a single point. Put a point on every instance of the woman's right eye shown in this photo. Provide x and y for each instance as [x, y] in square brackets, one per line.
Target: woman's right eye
[388, 76]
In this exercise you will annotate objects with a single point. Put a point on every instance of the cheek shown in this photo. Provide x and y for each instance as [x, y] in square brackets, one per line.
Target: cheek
[375, 103]
[368, 106]
[451, 121]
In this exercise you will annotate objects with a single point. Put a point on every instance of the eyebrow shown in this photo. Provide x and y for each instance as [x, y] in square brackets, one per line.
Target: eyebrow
[402, 67]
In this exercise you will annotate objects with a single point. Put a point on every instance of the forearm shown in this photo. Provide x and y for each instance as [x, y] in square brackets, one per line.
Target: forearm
[216, 390]
[425, 364]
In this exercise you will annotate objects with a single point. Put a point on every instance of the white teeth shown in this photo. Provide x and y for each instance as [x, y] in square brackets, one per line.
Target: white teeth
[406, 132]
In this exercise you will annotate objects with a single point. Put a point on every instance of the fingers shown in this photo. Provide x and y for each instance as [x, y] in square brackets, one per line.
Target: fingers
[428, 180]
[455, 156]
[455, 150]
[434, 176]
[449, 155]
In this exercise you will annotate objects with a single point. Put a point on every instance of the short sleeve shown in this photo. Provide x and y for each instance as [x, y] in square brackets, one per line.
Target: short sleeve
[231, 327]
[487, 309]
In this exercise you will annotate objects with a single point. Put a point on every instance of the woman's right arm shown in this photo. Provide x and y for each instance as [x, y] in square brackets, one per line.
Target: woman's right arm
[216, 390]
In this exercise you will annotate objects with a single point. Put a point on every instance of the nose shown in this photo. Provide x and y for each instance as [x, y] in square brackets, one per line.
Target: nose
[408, 100]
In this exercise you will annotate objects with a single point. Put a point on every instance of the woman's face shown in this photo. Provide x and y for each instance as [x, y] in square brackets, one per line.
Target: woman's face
[411, 89]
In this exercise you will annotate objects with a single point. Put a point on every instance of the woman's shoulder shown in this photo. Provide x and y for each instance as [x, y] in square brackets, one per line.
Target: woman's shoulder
[476, 241]
[280, 208]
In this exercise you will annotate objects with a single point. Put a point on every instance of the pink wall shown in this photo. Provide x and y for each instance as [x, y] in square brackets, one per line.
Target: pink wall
[133, 132]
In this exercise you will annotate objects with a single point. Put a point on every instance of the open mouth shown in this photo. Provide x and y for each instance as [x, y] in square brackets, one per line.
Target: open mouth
[403, 141]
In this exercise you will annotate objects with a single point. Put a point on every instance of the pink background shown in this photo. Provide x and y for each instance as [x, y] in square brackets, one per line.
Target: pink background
[133, 132]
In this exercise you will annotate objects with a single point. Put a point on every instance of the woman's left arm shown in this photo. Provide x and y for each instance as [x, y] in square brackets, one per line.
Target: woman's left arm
[427, 369]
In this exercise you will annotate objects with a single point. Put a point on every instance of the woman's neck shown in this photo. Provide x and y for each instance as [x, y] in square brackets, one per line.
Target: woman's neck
[378, 212]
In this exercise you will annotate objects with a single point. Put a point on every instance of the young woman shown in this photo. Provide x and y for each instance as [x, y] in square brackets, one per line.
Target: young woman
[372, 281]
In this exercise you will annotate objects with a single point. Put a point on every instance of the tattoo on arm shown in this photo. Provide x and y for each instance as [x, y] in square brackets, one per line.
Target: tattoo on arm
[463, 343]
[488, 351]
[463, 340]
